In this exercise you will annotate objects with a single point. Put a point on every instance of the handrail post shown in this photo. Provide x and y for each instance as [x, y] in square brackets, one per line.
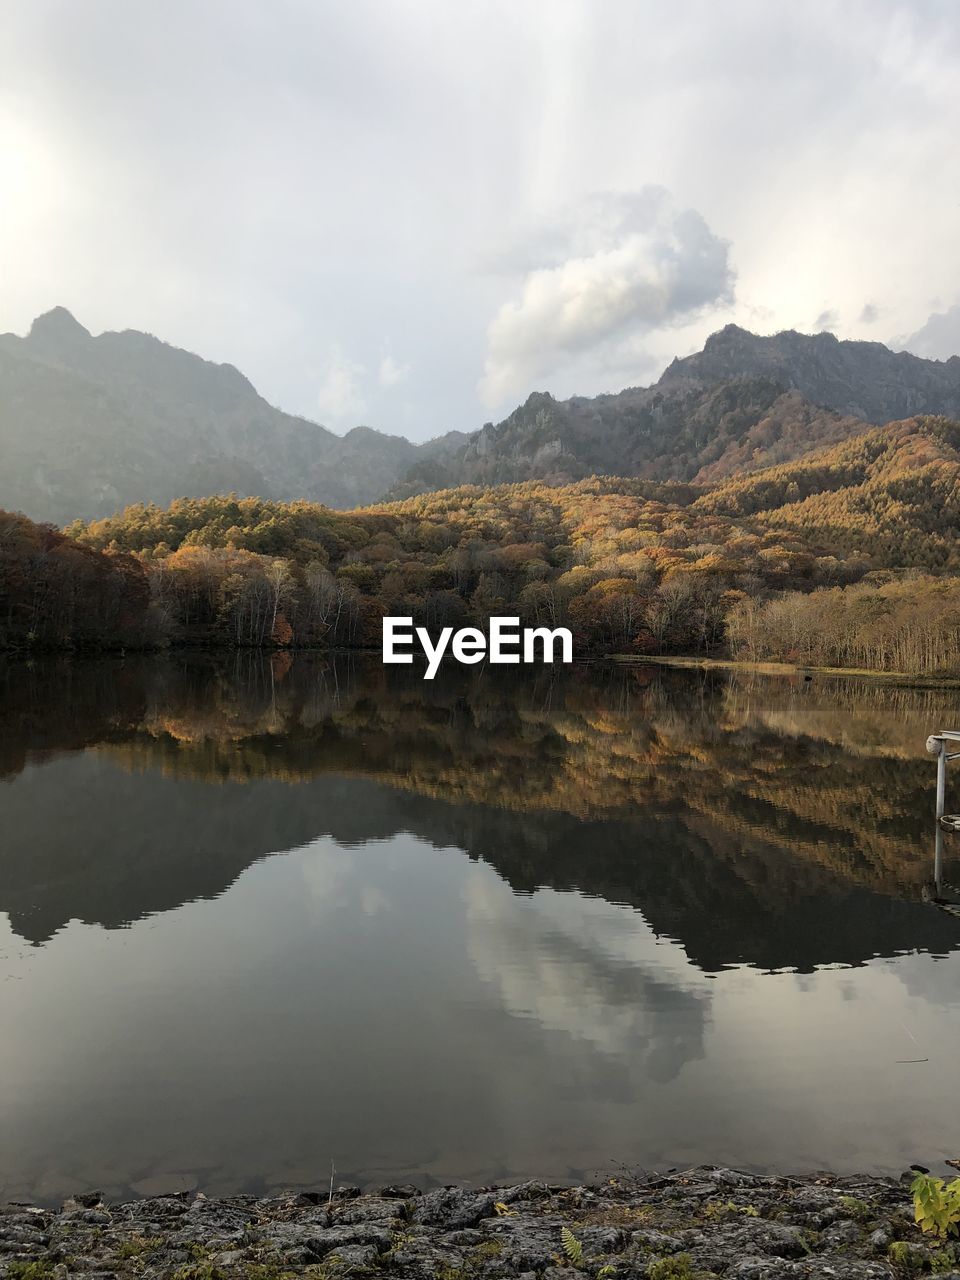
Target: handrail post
[937, 745]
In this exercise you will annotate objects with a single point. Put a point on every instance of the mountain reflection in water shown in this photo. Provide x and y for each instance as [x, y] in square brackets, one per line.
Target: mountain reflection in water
[481, 927]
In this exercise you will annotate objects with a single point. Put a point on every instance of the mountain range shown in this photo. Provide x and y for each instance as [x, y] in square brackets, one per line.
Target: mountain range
[90, 424]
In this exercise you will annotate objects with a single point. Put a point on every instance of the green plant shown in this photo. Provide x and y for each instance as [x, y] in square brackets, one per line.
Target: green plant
[39, 1270]
[904, 1255]
[481, 1253]
[606, 1271]
[135, 1245]
[808, 1240]
[679, 1267]
[627, 1216]
[717, 1210]
[571, 1246]
[449, 1273]
[936, 1205]
[856, 1208]
[472, 1262]
[335, 1265]
[942, 1260]
[199, 1271]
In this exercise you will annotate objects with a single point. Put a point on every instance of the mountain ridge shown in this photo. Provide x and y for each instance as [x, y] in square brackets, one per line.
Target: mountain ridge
[894, 384]
[88, 423]
[91, 424]
[737, 405]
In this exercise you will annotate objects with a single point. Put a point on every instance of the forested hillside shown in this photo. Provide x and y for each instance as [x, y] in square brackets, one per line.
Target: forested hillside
[631, 566]
[688, 432]
[620, 561]
[56, 592]
[893, 493]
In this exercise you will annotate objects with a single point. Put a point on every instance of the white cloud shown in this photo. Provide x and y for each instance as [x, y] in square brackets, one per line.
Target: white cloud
[591, 969]
[340, 397]
[391, 371]
[939, 338]
[628, 264]
[355, 161]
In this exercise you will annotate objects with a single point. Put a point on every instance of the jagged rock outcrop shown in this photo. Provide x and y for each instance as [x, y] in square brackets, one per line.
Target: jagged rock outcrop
[743, 403]
[863, 379]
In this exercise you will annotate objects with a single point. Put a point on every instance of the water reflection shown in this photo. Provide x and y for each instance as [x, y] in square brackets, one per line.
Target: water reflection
[258, 915]
[771, 822]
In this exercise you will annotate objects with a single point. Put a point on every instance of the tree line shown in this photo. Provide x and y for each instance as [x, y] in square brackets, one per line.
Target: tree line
[908, 624]
[56, 593]
[630, 566]
[626, 568]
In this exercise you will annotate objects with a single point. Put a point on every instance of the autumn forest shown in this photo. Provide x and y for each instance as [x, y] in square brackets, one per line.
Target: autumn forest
[844, 557]
[742, 507]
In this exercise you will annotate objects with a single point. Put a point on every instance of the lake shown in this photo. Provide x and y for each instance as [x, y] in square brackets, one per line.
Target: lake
[260, 915]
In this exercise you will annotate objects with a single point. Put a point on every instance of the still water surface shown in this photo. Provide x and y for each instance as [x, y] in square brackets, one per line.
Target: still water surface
[260, 915]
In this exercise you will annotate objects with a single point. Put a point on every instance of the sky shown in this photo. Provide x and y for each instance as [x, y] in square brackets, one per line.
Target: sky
[412, 213]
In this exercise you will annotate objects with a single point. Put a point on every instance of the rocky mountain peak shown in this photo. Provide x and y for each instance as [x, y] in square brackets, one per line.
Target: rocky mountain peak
[729, 336]
[58, 325]
[864, 379]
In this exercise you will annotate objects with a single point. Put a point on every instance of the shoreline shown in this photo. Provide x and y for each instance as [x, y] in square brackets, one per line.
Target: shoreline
[902, 678]
[682, 662]
[681, 1225]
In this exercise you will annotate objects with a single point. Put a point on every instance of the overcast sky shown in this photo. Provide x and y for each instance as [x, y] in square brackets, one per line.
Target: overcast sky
[412, 214]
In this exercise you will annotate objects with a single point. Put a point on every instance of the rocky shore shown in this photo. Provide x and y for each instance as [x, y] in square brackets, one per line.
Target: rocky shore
[697, 1223]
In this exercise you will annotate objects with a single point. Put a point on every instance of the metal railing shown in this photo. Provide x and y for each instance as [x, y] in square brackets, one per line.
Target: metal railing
[937, 745]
